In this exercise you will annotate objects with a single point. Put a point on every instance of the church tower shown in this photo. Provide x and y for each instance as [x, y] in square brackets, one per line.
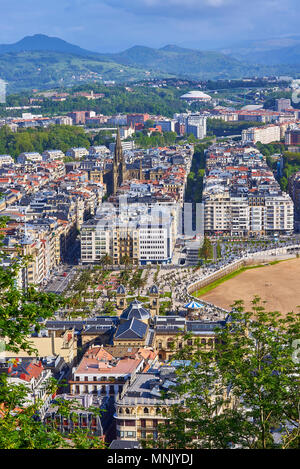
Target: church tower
[119, 165]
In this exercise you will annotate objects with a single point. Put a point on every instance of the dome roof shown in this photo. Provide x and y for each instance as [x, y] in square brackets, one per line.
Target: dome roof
[196, 95]
[154, 290]
[121, 290]
[136, 310]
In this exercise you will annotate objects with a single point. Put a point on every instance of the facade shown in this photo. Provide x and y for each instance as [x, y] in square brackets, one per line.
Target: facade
[142, 235]
[77, 153]
[100, 373]
[294, 191]
[267, 134]
[196, 125]
[6, 160]
[32, 374]
[241, 196]
[140, 407]
[292, 136]
[29, 158]
[283, 104]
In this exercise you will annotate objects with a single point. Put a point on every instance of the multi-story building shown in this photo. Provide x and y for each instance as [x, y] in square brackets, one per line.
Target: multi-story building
[100, 373]
[32, 157]
[32, 374]
[51, 155]
[283, 104]
[144, 236]
[6, 160]
[294, 191]
[140, 408]
[196, 125]
[241, 196]
[266, 134]
[77, 153]
[292, 136]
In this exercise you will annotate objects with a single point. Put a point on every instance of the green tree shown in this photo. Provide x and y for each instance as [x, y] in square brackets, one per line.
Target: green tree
[238, 392]
[206, 251]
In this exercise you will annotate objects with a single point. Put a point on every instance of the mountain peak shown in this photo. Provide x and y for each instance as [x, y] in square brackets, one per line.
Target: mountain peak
[42, 42]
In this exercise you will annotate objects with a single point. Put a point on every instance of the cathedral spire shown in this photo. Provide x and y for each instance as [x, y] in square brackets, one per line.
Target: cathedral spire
[118, 148]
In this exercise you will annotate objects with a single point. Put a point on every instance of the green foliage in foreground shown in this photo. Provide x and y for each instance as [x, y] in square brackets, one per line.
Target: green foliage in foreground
[21, 313]
[238, 393]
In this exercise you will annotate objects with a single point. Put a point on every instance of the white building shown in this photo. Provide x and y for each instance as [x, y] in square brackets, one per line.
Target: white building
[196, 125]
[32, 374]
[6, 159]
[147, 235]
[77, 153]
[126, 146]
[31, 157]
[266, 134]
[52, 155]
[167, 125]
[192, 96]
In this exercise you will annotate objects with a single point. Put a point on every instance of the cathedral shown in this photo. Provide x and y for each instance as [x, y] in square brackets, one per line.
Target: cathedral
[120, 171]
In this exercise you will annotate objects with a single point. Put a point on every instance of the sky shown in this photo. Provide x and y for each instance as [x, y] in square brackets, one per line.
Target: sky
[115, 25]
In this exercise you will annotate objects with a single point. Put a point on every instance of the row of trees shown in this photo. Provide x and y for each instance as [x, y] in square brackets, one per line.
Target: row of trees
[61, 137]
[194, 186]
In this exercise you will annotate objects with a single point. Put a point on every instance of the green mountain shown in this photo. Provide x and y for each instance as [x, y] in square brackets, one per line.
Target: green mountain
[182, 62]
[44, 70]
[41, 42]
[42, 62]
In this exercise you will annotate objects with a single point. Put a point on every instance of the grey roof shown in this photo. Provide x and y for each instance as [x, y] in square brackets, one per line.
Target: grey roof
[123, 444]
[121, 290]
[132, 329]
[154, 290]
[201, 327]
[136, 310]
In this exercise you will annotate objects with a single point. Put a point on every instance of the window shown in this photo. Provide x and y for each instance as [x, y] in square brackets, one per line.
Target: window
[146, 410]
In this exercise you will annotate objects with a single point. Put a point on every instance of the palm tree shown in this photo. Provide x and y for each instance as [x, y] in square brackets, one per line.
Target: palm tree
[106, 260]
[125, 260]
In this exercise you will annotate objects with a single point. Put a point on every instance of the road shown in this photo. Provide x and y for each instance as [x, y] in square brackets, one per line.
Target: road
[58, 283]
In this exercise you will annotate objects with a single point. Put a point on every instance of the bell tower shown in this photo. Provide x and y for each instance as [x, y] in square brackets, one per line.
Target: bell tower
[154, 300]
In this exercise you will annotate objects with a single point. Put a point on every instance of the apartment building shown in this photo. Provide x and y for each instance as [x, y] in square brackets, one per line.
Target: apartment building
[143, 235]
[292, 136]
[52, 155]
[140, 408]
[77, 153]
[241, 196]
[31, 157]
[294, 191]
[196, 124]
[6, 160]
[266, 134]
[31, 374]
[100, 373]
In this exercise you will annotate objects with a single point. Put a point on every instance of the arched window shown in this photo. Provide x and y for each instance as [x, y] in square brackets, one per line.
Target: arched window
[127, 411]
[120, 410]
[158, 410]
[146, 410]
